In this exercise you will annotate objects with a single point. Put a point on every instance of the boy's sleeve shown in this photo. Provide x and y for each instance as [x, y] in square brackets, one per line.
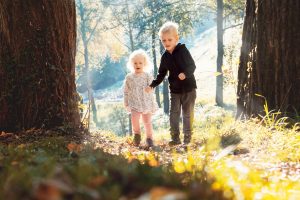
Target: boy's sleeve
[162, 72]
[126, 88]
[189, 63]
[149, 79]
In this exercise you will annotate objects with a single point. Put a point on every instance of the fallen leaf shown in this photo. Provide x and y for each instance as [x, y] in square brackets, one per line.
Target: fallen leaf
[73, 147]
[98, 180]
[163, 193]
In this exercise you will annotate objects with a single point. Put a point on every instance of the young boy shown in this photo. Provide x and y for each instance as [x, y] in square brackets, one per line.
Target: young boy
[178, 61]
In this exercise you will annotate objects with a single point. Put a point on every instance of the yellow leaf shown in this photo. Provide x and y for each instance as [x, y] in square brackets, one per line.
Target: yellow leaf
[216, 186]
[179, 167]
[141, 157]
[153, 163]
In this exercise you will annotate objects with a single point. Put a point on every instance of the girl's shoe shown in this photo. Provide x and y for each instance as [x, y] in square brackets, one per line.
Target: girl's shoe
[149, 142]
[137, 139]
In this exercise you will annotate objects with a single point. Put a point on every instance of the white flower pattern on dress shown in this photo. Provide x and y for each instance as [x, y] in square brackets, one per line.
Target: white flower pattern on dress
[135, 96]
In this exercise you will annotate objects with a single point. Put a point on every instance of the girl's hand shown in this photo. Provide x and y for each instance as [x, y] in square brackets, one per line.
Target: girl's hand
[181, 76]
[148, 89]
[128, 109]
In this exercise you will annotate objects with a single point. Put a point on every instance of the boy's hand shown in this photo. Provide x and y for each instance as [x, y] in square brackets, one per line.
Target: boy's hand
[148, 89]
[181, 76]
[127, 108]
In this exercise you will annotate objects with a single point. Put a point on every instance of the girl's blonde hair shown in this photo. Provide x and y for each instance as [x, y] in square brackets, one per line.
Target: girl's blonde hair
[139, 52]
[168, 27]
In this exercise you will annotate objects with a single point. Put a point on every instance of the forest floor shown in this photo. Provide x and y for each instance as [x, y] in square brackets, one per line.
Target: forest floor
[164, 153]
[226, 159]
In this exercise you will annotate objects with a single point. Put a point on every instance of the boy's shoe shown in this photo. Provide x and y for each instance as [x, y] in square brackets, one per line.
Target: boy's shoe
[174, 142]
[186, 142]
[187, 139]
[137, 139]
[149, 142]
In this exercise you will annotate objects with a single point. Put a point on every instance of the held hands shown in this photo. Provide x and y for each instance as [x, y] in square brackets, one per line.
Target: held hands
[181, 76]
[148, 89]
[128, 109]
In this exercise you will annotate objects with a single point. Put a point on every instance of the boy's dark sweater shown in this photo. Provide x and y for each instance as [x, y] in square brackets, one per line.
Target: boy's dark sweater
[180, 61]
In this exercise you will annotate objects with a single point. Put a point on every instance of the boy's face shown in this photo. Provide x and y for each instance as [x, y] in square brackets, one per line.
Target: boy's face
[138, 63]
[169, 41]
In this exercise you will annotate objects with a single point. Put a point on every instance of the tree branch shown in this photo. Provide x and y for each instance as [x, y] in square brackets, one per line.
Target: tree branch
[235, 25]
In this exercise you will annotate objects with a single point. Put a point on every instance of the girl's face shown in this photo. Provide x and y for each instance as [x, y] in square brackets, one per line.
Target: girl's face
[169, 41]
[138, 64]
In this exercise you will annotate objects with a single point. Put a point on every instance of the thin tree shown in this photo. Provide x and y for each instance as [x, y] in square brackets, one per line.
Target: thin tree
[123, 15]
[269, 67]
[37, 64]
[226, 10]
[220, 44]
[87, 32]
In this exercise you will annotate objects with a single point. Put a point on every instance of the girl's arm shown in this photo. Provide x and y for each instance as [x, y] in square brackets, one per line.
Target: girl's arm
[149, 89]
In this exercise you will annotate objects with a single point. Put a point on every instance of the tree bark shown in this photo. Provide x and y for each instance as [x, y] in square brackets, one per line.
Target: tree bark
[219, 78]
[155, 66]
[37, 64]
[270, 61]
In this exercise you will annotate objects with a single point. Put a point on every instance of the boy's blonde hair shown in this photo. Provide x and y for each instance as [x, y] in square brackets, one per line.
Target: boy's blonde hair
[168, 27]
[139, 52]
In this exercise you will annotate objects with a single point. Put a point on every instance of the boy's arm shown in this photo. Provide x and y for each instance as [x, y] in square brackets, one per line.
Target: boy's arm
[162, 72]
[190, 66]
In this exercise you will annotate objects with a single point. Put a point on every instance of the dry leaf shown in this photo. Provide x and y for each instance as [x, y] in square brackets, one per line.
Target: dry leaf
[163, 193]
[72, 147]
[98, 180]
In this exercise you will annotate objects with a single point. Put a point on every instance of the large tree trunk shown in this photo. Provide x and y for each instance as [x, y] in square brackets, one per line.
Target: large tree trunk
[219, 85]
[270, 61]
[37, 64]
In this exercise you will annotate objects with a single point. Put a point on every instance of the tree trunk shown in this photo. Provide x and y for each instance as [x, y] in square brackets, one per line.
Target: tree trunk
[166, 100]
[155, 66]
[166, 96]
[270, 61]
[219, 85]
[89, 85]
[85, 41]
[130, 29]
[37, 64]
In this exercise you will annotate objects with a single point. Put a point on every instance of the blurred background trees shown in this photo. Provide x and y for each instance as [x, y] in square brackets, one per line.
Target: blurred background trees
[108, 31]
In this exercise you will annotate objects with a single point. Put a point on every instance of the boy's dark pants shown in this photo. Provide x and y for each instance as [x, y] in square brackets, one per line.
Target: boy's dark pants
[186, 102]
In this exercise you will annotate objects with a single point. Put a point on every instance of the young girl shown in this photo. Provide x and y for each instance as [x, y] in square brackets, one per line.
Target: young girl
[136, 100]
